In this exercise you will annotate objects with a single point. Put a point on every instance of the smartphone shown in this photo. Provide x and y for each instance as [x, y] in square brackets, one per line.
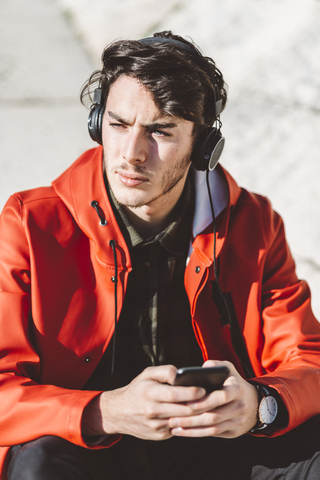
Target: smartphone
[210, 378]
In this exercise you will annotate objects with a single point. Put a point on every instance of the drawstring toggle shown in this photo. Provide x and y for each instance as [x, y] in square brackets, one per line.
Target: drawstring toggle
[95, 205]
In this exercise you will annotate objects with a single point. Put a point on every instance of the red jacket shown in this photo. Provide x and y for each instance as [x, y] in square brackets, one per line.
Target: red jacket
[57, 299]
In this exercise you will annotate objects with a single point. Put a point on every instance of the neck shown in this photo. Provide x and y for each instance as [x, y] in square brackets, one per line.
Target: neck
[151, 219]
[145, 224]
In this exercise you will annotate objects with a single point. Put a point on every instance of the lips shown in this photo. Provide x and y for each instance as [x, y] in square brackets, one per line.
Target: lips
[131, 179]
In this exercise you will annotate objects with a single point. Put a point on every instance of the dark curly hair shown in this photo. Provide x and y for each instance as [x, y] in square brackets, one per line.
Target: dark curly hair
[183, 84]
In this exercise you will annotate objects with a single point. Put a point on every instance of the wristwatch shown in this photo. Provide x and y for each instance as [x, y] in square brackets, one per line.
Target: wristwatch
[267, 409]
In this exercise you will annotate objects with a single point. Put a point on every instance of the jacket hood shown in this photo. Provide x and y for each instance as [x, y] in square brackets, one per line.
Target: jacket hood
[83, 182]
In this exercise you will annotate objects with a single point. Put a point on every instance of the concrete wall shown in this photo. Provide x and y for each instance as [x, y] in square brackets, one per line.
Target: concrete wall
[268, 51]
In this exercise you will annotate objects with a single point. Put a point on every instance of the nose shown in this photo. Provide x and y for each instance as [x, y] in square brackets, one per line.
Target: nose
[135, 148]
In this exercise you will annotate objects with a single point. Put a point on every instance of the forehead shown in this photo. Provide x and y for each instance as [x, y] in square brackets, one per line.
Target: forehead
[130, 99]
[128, 91]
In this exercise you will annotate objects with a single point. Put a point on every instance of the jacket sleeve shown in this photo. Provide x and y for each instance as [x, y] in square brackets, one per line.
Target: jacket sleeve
[28, 410]
[291, 351]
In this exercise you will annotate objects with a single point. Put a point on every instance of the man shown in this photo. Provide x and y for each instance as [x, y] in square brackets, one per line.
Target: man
[127, 268]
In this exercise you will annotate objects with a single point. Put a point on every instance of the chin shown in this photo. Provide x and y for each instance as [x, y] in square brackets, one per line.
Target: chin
[130, 201]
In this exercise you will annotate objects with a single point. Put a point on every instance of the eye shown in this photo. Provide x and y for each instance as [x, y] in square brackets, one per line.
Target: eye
[160, 133]
[116, 125]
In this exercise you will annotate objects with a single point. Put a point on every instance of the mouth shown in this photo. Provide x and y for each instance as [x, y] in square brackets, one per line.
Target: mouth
[131, 179]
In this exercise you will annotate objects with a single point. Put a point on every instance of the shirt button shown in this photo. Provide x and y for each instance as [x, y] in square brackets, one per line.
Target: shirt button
[198, 269]
[87, 359]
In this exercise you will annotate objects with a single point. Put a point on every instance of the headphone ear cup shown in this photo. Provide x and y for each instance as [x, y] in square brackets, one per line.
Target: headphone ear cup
[95, 123]
[208, 149]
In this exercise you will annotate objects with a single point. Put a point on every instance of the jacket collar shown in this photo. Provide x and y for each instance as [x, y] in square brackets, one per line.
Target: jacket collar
[78, 186]
[220, 197]
[225, 193]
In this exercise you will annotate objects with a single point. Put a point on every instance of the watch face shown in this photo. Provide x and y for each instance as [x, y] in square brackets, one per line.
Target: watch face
[268, 409]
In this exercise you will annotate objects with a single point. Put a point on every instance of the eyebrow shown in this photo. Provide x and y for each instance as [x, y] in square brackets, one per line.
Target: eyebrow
[151, 126]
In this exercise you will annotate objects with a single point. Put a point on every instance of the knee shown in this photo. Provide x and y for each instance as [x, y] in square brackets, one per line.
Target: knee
[37, 459]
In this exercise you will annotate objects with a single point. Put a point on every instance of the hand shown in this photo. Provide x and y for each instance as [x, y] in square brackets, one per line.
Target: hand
[142, 408]
[226, 413]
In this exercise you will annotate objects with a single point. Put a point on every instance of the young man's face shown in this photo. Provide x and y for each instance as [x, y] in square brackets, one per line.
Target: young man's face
[147, 154]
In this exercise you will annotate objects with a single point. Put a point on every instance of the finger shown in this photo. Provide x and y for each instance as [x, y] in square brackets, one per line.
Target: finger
[213, 400]
[231, 412]
[204, 428]
[162, 392]
[166, 401]
[229, 418]
[167, 411]
[217, 363]
[212, 431]
[161, 373]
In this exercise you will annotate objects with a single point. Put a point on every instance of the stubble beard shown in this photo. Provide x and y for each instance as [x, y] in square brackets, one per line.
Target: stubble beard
[170, 179]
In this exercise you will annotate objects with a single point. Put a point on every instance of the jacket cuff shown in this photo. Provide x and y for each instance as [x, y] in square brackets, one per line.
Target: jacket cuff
[74, 425]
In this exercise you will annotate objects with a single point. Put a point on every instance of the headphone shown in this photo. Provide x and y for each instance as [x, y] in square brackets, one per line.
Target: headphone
[209, 146]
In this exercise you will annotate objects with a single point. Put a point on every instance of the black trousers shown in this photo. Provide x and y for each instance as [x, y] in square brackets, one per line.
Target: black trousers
[293, 456]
